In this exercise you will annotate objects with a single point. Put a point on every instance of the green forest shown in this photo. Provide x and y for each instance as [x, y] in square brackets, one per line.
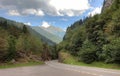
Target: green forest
[18, 44]
[95, 39]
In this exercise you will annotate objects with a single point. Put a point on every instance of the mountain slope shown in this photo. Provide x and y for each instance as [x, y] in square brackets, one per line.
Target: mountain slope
[55, 30]
[32, 31]
[41, 37]
[47, 34]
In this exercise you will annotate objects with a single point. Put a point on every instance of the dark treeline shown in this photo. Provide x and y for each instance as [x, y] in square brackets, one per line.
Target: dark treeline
[95, 38]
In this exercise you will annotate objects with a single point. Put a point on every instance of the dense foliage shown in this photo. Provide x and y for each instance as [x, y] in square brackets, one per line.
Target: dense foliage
[95, 38]
[17, 43]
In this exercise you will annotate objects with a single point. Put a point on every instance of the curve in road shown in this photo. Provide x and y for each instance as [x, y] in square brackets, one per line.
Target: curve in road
[53, 68]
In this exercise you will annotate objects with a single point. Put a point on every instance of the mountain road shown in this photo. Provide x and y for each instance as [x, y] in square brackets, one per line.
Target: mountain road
[54, 68]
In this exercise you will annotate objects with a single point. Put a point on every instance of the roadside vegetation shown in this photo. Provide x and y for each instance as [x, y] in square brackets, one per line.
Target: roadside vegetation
[67, 58]
[11, 65]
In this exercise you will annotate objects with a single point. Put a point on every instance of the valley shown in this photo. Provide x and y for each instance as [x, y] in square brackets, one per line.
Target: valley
[60, 38]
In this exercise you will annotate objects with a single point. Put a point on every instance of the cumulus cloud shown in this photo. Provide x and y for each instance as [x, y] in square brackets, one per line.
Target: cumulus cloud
[45, 24]
[13, 13]
[33, 12]
[95, 11]
[70, 7]
[28, 23]
[43, 7]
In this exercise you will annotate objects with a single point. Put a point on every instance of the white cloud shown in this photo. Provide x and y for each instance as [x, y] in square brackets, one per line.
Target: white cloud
[45, 24]
[29, 11]
[95, 11]
[40, 13]
[70, 4]
[33, 12]
[28, 23]
[65, 29]
[70, 7]
[49, 7]
[70, 13]
[13, 13]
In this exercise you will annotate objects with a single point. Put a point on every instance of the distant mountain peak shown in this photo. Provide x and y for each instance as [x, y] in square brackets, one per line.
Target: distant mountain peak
[52, 28]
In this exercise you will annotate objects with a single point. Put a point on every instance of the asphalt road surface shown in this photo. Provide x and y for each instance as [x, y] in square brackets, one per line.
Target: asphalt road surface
[53, 68]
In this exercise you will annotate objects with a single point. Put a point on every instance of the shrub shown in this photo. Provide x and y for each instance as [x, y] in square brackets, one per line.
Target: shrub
[88, 52]
[111, 51]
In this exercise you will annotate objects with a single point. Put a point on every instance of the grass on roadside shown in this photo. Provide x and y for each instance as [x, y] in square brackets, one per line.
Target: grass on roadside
[9, 65]
[68, 59]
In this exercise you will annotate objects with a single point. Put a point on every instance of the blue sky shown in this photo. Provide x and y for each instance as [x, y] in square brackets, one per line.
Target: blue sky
[60, 13]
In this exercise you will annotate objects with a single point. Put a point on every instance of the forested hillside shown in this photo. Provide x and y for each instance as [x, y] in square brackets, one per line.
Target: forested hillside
[19, 43]
[30, 29]
[95, 38]
[53, 38]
